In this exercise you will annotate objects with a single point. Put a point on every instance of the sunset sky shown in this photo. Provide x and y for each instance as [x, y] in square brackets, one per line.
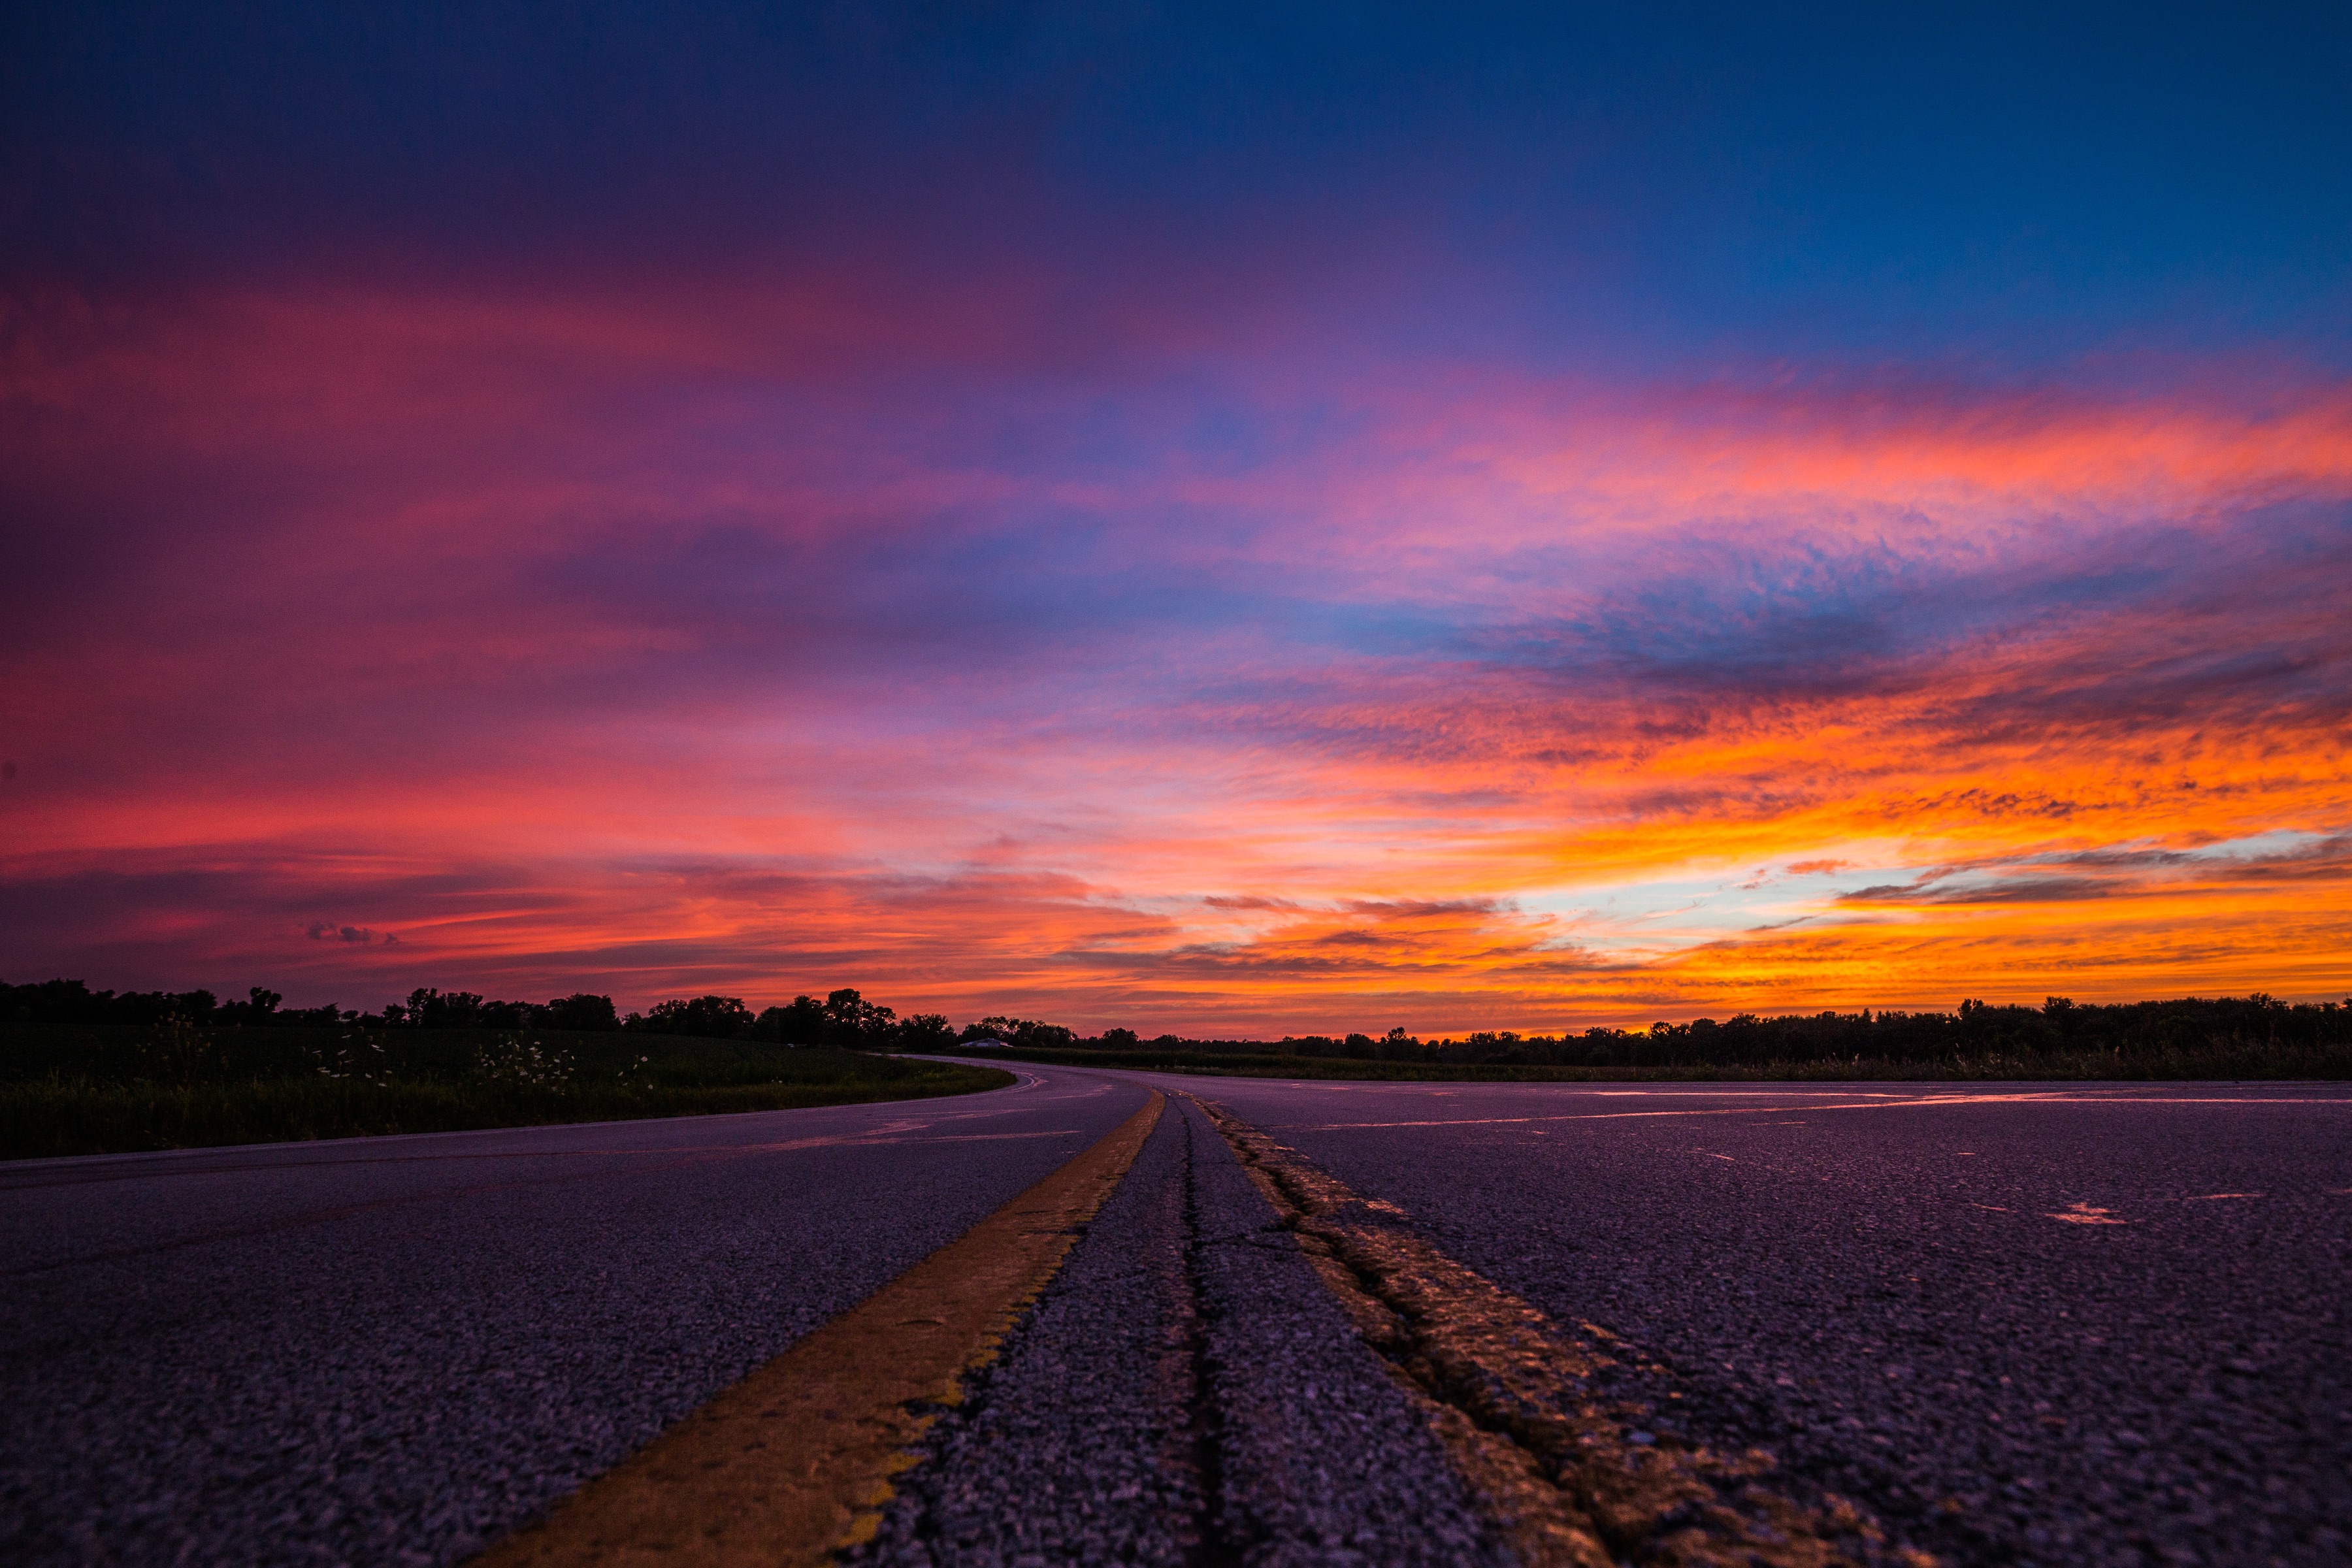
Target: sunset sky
[1228, 521]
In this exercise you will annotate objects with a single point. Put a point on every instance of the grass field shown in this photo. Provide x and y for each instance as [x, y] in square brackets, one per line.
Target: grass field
[68, 1089]
[2219, 1059]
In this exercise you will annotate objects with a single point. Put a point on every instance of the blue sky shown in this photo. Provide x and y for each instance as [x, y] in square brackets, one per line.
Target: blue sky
[1196, 517]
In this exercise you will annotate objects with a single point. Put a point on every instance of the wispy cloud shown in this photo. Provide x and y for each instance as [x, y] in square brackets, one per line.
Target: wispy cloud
[784, 636]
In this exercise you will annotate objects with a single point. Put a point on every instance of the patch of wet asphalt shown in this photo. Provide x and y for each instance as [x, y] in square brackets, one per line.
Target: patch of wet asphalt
[1918, 1306]
[1186, 1392]
[389, 1350]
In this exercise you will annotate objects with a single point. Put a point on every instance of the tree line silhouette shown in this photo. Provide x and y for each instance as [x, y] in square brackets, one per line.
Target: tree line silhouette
[846, 1018]
[1974, 1030]
[843, 1018]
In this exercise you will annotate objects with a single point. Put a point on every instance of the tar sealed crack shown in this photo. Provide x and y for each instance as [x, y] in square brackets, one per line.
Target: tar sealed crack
[1570, 1474]
[1080, 1441]
[1211, 1546]
[912, 1528]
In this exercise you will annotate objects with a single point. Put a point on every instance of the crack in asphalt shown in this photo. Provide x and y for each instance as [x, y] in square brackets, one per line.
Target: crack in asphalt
[1182, 1375]
[1213, 1547]
[1185, 1395]
[1000, 1478]
[1623, 1493]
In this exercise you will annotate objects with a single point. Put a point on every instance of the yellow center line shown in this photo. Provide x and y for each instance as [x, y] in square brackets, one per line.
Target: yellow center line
[794, 1461]
[1556, 1463]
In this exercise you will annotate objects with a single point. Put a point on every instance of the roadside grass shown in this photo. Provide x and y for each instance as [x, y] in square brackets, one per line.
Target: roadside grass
[68, 1089]
[2223, 1058]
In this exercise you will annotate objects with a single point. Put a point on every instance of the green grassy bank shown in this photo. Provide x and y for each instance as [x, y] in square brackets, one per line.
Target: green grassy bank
[72, 1090]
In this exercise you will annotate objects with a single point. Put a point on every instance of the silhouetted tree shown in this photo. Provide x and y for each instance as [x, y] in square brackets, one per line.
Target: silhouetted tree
[427, 1008]
[581, 1011]
[1976, 1031]
[707, 1017]
[802, 1023]
[260, 1008]
[1026, 1033]
[924, 1032]
[852, 1020]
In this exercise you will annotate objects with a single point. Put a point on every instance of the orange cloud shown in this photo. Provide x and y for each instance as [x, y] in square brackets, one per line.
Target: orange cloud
[772, 641]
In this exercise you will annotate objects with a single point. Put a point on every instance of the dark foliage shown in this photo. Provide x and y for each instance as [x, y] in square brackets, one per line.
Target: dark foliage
[1963, 1041]
[583, 1012]
[802, 1023]
[81, 1089]
[846, 1018]
[72, 1001]
[925, 1032]
[704, 1017]
[1976, 1030]
[2255, 1036]
[1026, 1033]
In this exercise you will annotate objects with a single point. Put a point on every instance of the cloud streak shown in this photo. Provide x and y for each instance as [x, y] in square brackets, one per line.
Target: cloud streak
[777, 637]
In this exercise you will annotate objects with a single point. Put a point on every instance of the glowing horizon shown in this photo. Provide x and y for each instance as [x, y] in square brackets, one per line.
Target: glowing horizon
[1218, 634]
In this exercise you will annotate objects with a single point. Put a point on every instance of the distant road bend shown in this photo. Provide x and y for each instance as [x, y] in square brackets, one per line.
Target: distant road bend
[1121, 1317]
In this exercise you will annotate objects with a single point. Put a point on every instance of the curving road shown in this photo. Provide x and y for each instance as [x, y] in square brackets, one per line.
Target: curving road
[391, 1350]
[2048, 1325]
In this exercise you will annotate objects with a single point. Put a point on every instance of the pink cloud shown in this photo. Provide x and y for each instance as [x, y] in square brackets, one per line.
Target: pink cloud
[784, 635]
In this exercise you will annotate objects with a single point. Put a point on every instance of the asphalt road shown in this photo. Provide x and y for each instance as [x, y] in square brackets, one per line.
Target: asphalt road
[2046, 1325]
[1908, 1295]
[392, 1349]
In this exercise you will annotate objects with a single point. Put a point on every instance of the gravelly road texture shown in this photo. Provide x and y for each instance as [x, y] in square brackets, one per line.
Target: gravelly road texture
[2035, 1324]
[2045, 1325]
[389, 1351]
[1186, 1391]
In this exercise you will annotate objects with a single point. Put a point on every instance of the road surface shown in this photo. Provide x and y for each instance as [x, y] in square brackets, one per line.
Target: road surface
[391, 1350]
[1314, 1322]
